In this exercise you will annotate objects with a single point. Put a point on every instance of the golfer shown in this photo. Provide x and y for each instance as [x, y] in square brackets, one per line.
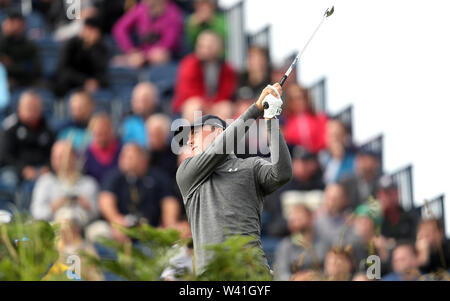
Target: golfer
[224, 195]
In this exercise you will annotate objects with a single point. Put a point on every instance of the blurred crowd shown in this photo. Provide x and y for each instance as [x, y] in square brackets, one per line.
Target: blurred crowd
[70, 154]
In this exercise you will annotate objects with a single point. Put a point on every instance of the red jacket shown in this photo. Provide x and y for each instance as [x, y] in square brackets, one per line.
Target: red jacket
[307, 130]
[190, 82]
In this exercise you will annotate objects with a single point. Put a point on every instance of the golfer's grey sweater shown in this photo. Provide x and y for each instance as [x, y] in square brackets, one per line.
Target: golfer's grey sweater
[224, 195]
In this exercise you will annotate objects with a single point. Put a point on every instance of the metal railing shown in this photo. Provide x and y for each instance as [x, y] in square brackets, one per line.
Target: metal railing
[236, 46]
[404, 181]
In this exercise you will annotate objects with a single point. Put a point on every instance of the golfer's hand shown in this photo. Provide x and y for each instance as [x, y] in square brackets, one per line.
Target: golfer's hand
[266, 92]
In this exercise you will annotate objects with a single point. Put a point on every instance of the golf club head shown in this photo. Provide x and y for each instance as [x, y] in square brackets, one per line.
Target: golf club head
[329, 11]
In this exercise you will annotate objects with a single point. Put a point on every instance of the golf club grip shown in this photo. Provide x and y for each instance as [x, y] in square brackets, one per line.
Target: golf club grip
[283, 80]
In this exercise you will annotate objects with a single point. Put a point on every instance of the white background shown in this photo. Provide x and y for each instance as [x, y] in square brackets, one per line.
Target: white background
[390, 59]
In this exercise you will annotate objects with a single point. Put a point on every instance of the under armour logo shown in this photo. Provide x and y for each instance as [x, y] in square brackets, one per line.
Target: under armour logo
[232, 170]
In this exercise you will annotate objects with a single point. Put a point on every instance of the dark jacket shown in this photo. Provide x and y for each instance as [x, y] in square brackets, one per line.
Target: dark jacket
[77, 64]
[25, 65]
[24, 146]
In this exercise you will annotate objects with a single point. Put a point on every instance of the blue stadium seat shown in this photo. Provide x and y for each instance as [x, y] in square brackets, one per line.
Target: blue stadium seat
[49, 52]
[164, 77]
[36, 27]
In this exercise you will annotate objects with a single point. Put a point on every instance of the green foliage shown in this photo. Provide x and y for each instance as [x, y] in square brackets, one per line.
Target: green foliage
[236, 259]
[27, 250]
[144, 261]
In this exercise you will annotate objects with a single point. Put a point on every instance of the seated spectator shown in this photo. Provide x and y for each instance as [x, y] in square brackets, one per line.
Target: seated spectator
[301, 250]
[18, 55]
[363, 182]
[366, 225]
[143, 103]
[136, 194]
[339, 264]
[192, 106]
[338, 159]
[161, 155]
[404, 264]
[27, 139]
[158, 26]
[303, 126]
[432, 247]
[205, 17]
[204, 75]
[70, 242]
[332, 219]
[76, 129]
[257, 75]
[65, 188]
[307, 176]
[102, 154]
[397, 223]
[83, 61]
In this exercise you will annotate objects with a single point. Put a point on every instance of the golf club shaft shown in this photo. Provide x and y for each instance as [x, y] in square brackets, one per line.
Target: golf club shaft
[297, 58]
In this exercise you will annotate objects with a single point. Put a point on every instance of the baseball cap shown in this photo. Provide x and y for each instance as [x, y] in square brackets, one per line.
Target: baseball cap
[299, 152]
[93, 22]
[211, 120]
[372, 213]
[386, 182]
[366, 151]
[182, 132]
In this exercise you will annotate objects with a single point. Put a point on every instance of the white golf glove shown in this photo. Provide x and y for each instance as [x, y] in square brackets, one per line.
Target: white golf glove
[273, 104]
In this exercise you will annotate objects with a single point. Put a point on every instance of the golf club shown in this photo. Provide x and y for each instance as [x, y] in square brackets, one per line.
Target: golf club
[327, 14]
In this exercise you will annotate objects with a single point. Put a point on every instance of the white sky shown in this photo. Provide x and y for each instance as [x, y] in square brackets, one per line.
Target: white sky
[390, 59]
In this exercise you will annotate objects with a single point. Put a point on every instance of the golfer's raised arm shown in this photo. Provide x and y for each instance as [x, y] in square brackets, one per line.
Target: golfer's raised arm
[272, 175]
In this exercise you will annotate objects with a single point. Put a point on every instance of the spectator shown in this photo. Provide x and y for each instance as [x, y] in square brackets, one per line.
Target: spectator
[257, 75]
[204, 75]
[307, 176]
[397, 223]
[19, 55]
[161, 155]
[301, 250]
[71, 242]
[339, 264]
[83, 61]
[205, 17]
[27, 138]
[366, 226]
[404, 264]
[65, 188]
[158, 25]
[332, 219]
[76, 129]
[143, 103]
[338, 159]
[363, 182]
[432, 247]
[302, 125]
[136, 194]
[103, 152]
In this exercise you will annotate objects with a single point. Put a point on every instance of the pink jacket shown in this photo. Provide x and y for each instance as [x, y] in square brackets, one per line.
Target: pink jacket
[165, 31]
